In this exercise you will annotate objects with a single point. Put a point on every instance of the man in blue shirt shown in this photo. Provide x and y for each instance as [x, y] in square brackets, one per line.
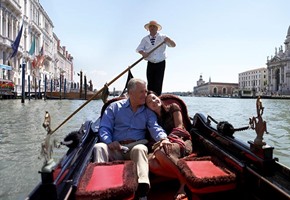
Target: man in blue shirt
[126, 121]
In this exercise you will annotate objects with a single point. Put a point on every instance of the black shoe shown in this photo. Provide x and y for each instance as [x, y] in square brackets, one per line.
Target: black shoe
[143, 189]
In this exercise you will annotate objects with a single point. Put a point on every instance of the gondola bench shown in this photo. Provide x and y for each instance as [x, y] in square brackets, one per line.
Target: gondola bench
[112, 180]
[206, 175]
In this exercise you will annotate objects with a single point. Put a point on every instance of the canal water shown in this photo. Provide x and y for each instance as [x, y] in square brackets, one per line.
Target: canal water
[21, 132]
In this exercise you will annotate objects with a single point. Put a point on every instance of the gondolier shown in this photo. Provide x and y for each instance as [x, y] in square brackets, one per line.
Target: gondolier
[156, 60]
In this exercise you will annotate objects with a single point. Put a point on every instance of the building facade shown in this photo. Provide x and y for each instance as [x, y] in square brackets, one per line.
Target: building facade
[253, 82]
[278, 67]
[216, 89]
[39, 48]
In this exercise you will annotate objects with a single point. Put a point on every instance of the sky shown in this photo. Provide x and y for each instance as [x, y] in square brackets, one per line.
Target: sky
[217, 39]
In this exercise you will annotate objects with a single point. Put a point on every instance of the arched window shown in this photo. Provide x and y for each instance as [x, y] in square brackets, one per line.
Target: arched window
[224, 91]
[215, 91]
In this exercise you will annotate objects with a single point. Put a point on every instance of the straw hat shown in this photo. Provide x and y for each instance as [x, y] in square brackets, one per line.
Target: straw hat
[154, 23]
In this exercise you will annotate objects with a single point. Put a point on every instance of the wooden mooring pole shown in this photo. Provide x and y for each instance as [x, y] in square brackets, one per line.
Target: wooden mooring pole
[23, 83]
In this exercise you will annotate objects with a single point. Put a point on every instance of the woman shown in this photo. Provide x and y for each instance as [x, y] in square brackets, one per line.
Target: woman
[164, 159]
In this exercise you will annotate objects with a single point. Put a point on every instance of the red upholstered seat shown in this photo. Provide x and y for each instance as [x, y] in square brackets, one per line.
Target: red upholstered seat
[114, 180]
[206, 175]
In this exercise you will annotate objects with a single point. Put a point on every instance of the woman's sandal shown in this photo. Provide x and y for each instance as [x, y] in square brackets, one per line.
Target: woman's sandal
[180, 196]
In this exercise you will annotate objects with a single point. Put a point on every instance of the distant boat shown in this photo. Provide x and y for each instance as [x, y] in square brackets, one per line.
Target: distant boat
[72, 95]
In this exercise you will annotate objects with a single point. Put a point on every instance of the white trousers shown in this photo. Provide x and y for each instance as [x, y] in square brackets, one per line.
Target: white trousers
[138, 154]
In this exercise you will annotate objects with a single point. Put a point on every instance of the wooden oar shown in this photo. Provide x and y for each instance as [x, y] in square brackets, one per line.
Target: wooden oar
[108, 84]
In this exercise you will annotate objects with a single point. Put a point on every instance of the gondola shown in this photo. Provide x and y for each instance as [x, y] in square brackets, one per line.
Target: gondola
[221, 166]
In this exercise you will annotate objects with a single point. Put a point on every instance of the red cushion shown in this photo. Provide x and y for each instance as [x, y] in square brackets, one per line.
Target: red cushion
[205, 169]
[113, 180]
[204, 175]
[106, 177]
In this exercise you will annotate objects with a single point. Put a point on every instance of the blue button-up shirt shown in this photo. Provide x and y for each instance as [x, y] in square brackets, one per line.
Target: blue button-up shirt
[120, 123]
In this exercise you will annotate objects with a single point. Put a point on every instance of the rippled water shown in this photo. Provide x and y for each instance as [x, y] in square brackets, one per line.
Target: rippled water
[21, 132]
[238, 112]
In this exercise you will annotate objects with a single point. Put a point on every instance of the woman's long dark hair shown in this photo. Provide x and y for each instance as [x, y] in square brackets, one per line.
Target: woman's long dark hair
[165, 114]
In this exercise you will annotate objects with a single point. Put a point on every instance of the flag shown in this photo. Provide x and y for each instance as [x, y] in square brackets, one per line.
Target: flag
[34, 62]
[15, 44]
[32, 48]
[130, 75]
[41, 52]
[39, 59]
[41, 56]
